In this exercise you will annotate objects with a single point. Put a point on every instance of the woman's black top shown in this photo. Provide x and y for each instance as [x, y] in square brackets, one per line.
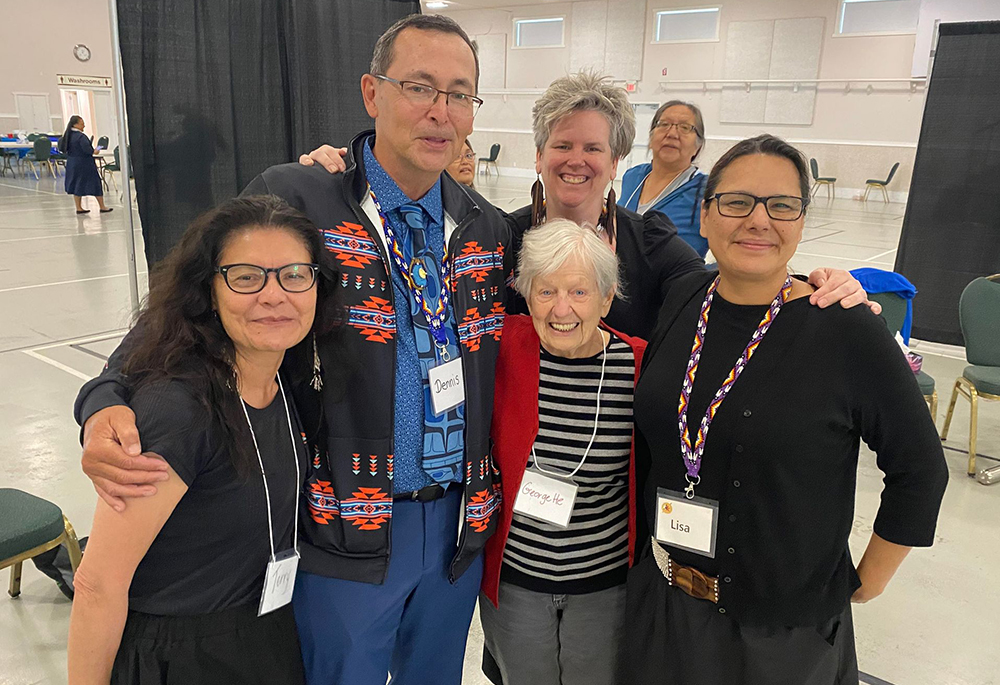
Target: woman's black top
[781, 456]
[651, 255]
[213, 550]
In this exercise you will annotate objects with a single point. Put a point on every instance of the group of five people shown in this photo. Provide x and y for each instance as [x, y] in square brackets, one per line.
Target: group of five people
[432, 401]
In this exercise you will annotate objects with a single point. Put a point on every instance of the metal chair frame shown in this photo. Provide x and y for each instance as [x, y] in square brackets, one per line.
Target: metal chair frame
[68, 536]
[968, 390]
[831, 188]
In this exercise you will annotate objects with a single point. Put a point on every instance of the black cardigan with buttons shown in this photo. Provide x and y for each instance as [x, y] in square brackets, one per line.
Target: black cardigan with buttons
[781, 456]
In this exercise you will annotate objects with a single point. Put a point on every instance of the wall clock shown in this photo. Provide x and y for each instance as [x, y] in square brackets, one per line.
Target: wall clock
[81, 52]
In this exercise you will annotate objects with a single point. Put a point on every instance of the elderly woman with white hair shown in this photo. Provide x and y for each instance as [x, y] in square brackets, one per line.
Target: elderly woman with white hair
[553, 600]
[583, 125]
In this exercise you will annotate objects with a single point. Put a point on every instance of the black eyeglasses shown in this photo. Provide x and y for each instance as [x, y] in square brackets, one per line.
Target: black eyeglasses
[682, 128]
[423, 95]
[247, 279]
[779, 207]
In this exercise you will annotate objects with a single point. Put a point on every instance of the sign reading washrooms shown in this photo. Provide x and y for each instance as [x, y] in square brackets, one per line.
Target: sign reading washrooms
[84, 81]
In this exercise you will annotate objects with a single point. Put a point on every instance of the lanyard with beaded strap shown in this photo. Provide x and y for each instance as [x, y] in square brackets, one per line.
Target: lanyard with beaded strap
[692, 454]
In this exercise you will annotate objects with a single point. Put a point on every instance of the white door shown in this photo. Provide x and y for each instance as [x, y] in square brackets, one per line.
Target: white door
[33, 113]
[105, 121]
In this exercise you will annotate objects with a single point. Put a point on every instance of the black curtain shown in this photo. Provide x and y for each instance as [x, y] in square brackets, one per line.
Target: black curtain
[951, 231]
[218, 90]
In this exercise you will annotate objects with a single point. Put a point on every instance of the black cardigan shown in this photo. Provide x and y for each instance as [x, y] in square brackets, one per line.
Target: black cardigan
[781, 456]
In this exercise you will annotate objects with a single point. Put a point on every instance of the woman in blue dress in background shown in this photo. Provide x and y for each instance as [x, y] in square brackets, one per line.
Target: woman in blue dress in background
[671, 184]
[81, 169]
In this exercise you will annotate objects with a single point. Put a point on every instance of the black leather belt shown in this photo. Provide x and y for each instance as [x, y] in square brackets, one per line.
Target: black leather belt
[427, 494]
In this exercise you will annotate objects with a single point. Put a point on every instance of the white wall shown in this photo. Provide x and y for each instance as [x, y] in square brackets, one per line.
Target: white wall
[854, 135]
[31, 58]
[932, 11]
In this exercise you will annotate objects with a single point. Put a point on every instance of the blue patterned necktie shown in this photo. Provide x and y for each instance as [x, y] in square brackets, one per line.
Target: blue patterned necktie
[443, 435]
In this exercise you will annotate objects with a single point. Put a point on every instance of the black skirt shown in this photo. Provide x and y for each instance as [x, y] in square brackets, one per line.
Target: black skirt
[672, 637]
[232, 646]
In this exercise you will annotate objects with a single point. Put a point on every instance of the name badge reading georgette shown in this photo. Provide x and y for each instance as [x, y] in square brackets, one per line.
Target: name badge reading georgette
[545, 498]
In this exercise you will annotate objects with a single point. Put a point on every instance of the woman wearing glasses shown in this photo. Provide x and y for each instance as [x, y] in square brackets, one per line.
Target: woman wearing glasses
[671, 183]
[583, 125]
[193, 583]
[463, 169]
[749, 414]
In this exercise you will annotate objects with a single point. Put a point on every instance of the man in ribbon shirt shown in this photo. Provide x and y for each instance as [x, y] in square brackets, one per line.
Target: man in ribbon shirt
[398, 466]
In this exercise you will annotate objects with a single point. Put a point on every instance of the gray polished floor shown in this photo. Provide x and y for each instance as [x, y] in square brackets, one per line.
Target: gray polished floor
[64, 303]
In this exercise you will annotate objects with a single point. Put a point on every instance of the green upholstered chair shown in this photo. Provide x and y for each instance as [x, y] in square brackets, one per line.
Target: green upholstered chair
[979, 314]
[829, 181]
[894, 313]
[29, 526]
[492, 159]
[41, 154]
[880, 184]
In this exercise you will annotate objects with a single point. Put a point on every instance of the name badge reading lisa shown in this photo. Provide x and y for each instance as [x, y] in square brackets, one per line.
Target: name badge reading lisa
[688, 524]
[545, 498]
[279, 582]
[447, 382]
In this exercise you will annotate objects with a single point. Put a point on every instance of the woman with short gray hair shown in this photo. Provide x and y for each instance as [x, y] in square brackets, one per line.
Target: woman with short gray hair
[583, 125]
[553, 600]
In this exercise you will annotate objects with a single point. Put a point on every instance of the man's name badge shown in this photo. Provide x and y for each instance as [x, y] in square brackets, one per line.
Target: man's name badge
[688, 524]
[279, 582]
[447, 383]
[545, 498]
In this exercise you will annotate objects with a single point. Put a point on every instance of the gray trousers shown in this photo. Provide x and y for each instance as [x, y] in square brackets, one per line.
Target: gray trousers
[543, 639]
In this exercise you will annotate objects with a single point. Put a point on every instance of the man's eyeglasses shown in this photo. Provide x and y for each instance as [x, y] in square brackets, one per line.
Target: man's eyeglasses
[468, 156]
[247, 279]
[779, 207]
[682, 128]
[459, 103]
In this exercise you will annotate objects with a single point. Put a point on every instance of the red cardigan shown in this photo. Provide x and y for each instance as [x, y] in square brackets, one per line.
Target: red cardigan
[515, 425]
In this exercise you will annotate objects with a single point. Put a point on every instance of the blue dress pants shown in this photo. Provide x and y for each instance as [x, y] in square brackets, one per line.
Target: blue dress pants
[414, 625]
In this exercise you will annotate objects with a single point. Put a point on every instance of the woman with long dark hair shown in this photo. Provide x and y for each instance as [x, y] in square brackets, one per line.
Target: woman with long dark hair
[196, 580]
[82, 178]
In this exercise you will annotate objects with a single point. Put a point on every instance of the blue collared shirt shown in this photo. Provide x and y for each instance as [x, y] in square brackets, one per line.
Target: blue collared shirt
[413, 444]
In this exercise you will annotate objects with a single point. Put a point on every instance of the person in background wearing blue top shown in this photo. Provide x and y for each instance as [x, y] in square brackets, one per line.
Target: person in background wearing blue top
[81, 170]
[671, 184]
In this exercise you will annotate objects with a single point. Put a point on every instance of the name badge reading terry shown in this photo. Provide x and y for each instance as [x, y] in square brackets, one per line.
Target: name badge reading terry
[688, 524]
[279, 582]
[545, 498]
[447, 383]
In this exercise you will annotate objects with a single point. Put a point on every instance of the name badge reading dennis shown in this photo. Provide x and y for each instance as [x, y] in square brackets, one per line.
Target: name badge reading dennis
[447, 383]
[689, 524]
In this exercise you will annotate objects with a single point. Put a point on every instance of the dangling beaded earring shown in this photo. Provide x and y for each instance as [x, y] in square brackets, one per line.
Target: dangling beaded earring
[537, 202]
[317, 379]
[609, 216]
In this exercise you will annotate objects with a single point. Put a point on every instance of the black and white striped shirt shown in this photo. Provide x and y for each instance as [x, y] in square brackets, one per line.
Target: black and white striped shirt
[591, 554]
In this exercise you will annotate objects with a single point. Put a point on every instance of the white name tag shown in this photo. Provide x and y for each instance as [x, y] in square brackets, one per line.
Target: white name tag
[447, 383]
[279, 582]
[545, 498]
[688, 524]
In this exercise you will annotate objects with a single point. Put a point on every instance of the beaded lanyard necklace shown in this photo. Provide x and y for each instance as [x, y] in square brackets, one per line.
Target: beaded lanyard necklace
[692, 454]
[413, 274]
